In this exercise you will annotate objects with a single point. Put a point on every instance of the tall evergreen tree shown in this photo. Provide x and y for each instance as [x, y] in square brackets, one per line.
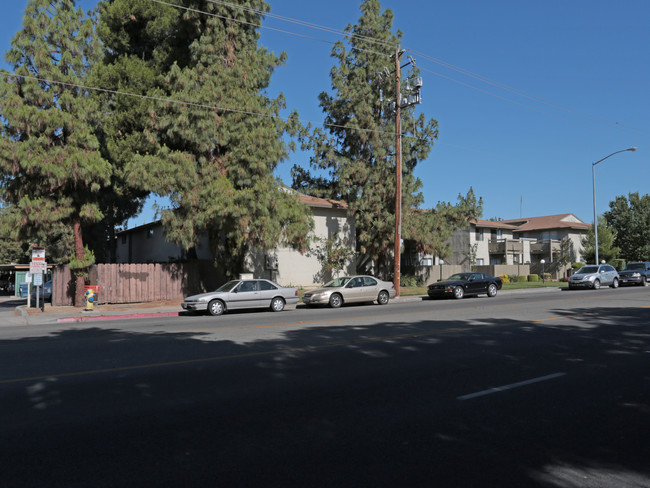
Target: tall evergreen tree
[219, 148]
[607, 249]
[355, 157]
[630, 218]
[50, 167]
[141, 40]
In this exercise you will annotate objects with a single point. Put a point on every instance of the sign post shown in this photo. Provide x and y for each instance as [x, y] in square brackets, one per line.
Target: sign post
[37, 268]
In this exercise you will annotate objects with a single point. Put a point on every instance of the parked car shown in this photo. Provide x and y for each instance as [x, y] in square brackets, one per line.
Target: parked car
[349, 289]
[47, 291]
[460, 285]
[635, 274]
[242, 294]
[593, 276]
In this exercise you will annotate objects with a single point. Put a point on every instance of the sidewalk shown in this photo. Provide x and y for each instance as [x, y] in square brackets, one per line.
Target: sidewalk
[12, 313]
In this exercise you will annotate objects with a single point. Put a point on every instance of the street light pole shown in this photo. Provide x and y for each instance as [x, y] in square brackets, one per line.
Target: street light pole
[593, 180]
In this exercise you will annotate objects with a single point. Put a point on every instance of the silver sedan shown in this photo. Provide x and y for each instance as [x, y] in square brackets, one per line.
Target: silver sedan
[242, 294]
[350, 289]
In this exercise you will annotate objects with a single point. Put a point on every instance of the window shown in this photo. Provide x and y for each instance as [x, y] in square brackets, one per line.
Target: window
[265, 286]
[247, 286]
[149, 233]
[367, 281]
[479, 234]
[480, 261]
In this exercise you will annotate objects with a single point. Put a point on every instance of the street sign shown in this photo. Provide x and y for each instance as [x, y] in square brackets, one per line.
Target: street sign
[37, 267]
[38, 254]
[38, 279]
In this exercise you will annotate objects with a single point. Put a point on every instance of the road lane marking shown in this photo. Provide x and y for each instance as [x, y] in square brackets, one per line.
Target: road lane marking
[510, 386]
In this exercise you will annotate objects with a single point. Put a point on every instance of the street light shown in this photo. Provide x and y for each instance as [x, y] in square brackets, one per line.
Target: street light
[593, 179]
[543, 261]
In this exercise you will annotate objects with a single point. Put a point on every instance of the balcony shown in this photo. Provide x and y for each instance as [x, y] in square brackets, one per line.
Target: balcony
[547, 247]
[505, 246]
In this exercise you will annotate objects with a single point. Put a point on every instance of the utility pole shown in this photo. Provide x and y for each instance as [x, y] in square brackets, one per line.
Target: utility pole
[412, 98]
[398, 170]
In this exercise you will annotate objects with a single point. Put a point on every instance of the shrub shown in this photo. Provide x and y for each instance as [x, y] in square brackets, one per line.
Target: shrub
[547, 276]
[533, 278]
[411, 281]
[505, 278]
[619, 264]
[522, 278]
[577, 265]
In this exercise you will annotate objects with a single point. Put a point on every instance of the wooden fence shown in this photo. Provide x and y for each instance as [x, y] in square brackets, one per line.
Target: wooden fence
[136, 283]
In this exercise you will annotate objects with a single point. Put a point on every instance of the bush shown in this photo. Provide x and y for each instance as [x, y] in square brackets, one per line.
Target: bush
[522, 278]
[564, 279]
[533, 278]
[578, 265]
[505, 278]
[547, 276]
[410, 281]
[619, 264]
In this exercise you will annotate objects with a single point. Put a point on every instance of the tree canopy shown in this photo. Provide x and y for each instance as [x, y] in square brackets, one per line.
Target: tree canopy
[354, 157]
[607, 249]
[51, 168]
[216, 151]
[630, 218]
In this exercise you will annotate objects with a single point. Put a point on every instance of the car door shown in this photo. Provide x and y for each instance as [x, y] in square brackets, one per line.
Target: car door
[245, 295]
[354, 290]
[476, 284]
[370, 288]
[267, 291]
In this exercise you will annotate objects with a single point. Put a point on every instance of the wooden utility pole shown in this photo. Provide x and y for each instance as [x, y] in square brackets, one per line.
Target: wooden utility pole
[398, 173]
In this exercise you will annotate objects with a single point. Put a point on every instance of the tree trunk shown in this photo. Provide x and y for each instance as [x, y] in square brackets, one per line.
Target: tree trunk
[79, 253]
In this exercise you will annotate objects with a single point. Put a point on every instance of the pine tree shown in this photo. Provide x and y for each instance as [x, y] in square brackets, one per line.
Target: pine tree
[51, 168]
[355, 157]
[219, 149]
[606, 239]
[140, 40]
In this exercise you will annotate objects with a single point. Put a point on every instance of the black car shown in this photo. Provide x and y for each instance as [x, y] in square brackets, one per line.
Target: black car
[636, 274]
[466, 284]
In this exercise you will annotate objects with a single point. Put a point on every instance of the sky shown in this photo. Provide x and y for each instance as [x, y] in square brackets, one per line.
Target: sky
[527, 94]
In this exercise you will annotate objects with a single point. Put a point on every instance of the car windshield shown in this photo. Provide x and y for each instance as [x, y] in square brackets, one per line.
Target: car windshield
[459, 276]
[634, 266]
[588, 270]
[227, 286]
[338, 282]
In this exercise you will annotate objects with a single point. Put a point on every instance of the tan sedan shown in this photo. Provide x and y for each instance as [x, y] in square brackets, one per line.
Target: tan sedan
[349, 289]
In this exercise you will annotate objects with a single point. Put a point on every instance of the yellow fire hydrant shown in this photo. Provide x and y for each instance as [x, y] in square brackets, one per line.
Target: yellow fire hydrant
[90, 299]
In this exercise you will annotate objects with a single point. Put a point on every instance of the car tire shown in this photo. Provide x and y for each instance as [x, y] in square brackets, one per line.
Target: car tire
[336, 300]
[596, 285]
[216, 307]
[614, 283]
[383, 297]
[492, 290]
[459, 292]
[277, 304]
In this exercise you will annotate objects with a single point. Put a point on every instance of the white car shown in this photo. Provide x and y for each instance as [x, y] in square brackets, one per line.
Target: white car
[595, 276]
[241, 294]
[351, 289]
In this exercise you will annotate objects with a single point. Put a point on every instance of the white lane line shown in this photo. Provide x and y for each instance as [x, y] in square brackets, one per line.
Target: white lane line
[510, 387]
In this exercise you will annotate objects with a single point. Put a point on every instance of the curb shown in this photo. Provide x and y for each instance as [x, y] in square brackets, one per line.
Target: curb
[117, 317]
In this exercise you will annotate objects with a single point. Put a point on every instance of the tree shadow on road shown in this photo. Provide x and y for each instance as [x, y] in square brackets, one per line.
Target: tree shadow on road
[339, 405]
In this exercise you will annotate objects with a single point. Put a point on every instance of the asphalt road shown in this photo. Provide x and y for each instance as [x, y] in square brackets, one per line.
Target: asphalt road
[523, 390]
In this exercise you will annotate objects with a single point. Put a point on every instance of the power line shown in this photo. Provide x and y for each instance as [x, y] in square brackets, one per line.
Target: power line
[182, 102]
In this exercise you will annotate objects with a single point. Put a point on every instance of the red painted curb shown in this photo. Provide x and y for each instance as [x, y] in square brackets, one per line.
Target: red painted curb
[118, 317]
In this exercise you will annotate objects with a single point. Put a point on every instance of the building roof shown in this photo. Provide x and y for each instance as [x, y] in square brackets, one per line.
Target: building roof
[561, 221]
[322, 202]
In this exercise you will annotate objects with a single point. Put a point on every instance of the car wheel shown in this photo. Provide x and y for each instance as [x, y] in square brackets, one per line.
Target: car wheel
[492, 290]
[383, 297]
[336, 301]
[277, 304]
[459, 292]
[596, 285]
[615, 283]
[216, 307]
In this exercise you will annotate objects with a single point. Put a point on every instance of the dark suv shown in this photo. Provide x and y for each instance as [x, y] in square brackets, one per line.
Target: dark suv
[636, 274]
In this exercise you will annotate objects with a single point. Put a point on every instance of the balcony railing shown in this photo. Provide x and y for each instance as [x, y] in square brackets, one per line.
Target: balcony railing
[505, 246]
[546, 246]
